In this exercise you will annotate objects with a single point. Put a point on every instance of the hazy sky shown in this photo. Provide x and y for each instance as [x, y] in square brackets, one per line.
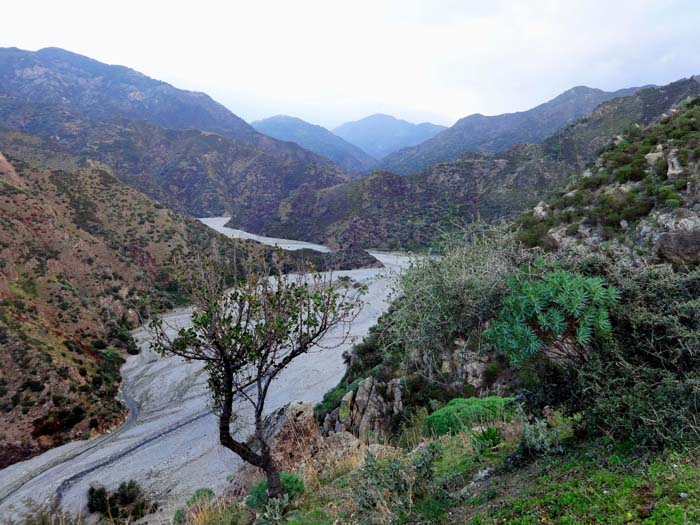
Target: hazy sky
[329, 61]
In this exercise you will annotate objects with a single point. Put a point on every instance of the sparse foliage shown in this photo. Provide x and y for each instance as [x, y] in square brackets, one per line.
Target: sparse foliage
[247, 335]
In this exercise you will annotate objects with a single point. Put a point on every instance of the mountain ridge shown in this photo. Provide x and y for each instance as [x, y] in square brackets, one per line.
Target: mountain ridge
[390, 211]
[495, 133]
[181, 147]
[316, 139]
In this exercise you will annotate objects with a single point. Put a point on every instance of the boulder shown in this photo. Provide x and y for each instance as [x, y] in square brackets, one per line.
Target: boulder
[674, 165]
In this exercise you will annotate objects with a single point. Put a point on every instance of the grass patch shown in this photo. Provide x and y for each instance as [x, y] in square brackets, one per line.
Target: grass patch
[464, 413]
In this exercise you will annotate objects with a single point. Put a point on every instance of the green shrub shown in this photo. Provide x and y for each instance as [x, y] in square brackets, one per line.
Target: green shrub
[292, 487]
[462, 414]
[440, 299]
[644, 384]
[560, 311]
[126, 504]
[484, 439]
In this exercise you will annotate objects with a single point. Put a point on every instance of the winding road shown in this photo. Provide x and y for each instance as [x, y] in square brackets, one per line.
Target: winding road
[169, 442]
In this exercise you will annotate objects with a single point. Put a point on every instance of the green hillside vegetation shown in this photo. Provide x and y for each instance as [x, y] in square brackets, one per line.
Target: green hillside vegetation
[608, 438]
[630, 182]
[588, 412]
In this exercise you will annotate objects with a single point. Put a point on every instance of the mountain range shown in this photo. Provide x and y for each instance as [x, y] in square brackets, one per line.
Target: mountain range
[386, 210]
[103, 168]
[494, 134]
[379, 135]
[211, 164]
[97, 165]
[318, 140]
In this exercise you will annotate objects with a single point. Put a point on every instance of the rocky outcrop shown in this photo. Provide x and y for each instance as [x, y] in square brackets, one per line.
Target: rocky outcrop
[298, 446]
[674, 236]
[675, 169]
[369, 411]
[372, 410]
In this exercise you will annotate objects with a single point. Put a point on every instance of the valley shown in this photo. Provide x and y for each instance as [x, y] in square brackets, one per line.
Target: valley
[169, 443]
[213, 312]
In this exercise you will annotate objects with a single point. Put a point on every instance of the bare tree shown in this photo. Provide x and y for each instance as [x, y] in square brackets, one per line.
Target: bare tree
[248, 334]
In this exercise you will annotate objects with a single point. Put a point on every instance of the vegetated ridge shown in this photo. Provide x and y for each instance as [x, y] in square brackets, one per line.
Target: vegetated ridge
[494, 134]
[385, 210]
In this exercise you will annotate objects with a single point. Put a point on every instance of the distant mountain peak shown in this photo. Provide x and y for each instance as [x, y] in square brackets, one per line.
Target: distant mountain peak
[380, 134]
[317, 139]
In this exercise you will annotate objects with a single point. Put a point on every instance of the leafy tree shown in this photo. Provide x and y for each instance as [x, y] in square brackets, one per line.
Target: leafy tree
[247, 335]
[558, 313]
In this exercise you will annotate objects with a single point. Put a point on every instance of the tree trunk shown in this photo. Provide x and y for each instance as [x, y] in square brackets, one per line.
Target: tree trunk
[274, 483]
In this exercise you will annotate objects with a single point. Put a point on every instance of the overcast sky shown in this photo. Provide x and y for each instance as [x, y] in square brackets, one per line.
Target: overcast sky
[329, 61]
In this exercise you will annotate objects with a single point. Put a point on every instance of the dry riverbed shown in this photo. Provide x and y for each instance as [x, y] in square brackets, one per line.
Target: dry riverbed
[169, 444]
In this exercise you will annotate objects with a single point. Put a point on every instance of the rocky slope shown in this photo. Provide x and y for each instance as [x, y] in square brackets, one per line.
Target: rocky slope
[389, 211]
[101, 91]
[641, 198]
[379, 135]
[492, 134]
[82, 256]
[318, 140]
[201, 173]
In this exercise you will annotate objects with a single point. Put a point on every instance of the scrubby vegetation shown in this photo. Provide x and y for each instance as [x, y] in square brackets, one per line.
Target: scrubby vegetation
[126, 504]
[629, 180]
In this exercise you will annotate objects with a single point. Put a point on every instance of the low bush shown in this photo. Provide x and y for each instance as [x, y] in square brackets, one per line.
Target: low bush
[462, 414]
[399, 489]
[126, 504]
[292, 487]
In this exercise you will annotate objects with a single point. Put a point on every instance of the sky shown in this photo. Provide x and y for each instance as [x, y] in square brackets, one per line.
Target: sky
[330, 61]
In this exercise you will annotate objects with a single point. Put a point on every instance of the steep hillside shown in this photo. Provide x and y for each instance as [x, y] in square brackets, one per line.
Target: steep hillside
[316, 139]
[76, 101]
[102, 91]
[641, 198]
[379, 135]
[198, 172]
[386, 211]
[82, 256]
[492, 134]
